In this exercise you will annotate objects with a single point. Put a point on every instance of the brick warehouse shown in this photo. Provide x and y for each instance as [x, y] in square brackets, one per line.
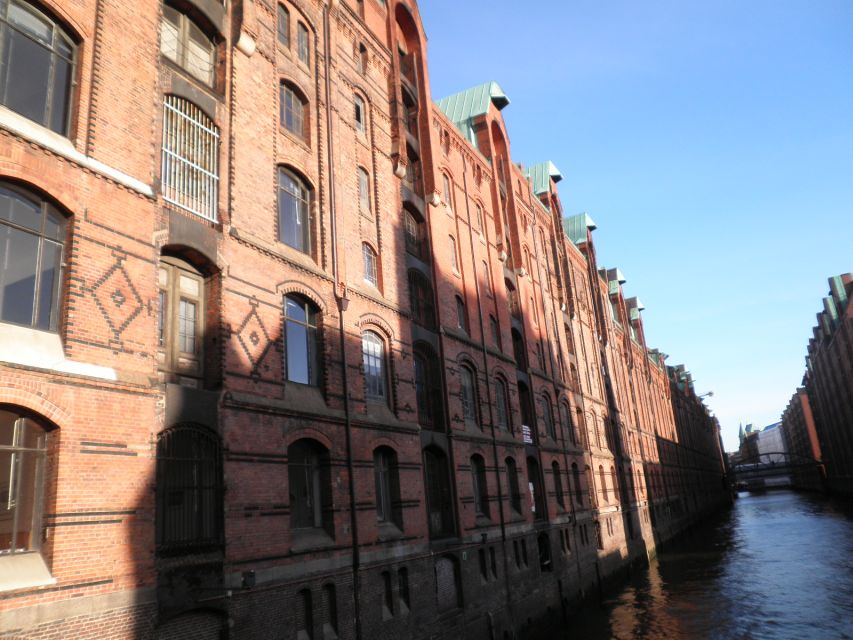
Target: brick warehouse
[817, 422]
[290, 350]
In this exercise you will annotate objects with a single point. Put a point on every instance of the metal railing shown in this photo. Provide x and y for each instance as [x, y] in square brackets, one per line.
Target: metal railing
[190, 169]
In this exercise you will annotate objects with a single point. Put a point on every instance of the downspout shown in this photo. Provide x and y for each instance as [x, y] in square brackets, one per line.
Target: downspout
[488, 387]
[339, 296]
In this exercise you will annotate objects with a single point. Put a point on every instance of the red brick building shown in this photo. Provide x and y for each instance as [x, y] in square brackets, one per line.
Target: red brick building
[287, 349]
[828, 384]
[801, 441]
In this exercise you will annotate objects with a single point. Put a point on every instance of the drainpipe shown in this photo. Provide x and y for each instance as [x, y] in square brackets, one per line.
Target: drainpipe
[488, 389]
[340, 297]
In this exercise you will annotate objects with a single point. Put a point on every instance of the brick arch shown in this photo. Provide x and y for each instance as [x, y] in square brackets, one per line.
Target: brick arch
[35, 183]
[309, 433]
[298, 287]
[385, 441]
[54, 9]
[370, 320]
[36, 403]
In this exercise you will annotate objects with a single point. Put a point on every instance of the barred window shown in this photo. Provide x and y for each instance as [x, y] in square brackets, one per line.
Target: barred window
[190, 171]
[185, 44]
[558, 484]
[512, 480]
[36, 66]
[32, 236]
[373, 355]
[427, 387]
[413, 230]
[420, 298]
[189, 489]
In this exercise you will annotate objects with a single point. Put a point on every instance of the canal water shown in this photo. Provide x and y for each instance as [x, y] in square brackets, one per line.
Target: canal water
[778, 565]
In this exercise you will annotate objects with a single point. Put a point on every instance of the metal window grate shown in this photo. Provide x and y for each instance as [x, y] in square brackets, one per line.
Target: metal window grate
[190, 171]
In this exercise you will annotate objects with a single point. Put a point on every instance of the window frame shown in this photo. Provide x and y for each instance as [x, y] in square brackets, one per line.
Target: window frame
[370, 362]
[359, 113]
[364, 199]
[304, 204]
[47, 212]
[370, 260]
[480, 486]
[468, 395]
[313, 338]
[303, 43]
[285, 32]
[59, 36]
[171, 295]
[290, 96]
[184, 27]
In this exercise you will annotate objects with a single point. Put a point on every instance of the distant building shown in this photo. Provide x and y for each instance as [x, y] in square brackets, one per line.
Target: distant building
[771, 444]
[798, 430]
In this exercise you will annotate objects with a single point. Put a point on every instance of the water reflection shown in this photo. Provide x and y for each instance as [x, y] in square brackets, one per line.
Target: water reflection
[777, 566]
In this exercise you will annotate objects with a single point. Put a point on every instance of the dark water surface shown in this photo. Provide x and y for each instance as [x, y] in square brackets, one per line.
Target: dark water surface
[778, 565]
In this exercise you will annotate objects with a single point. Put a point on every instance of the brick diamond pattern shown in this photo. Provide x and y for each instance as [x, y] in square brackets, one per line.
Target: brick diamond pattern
[117, 298]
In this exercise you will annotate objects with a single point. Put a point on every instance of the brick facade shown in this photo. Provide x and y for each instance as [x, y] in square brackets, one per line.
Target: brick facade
[175, 341]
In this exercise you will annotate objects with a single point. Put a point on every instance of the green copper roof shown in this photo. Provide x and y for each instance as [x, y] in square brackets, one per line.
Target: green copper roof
[541, 175]
[466, 105]
[836, 286]
[576, 227]
[634, 305]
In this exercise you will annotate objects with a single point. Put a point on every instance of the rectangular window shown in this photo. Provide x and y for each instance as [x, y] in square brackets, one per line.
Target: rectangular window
[487, 279]
[479, 218]
[448, 195]
[454, 257]
[283, 27]
[187, 326]
[363, 190]
[303, 50]
[496, 336]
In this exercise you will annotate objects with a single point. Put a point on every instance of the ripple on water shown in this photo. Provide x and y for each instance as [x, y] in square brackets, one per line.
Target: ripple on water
[778, 566]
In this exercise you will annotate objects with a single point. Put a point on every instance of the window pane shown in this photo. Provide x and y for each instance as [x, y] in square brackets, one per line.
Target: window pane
[283, 26]
[30, 23]
[169, 34]
[27, 72]
[48, 302]
[18, 256]
[374, 366]
[19, 210]
[200, 53]
[303, 43]
[295, 310]
[61, 95]
[187, 326]
[297, 353]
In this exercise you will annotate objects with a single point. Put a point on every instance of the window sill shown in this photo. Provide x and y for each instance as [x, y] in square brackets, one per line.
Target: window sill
[23, 571]
[62, 146]
[310, 539]
[43, 350]
[296, 139]
[389, 531]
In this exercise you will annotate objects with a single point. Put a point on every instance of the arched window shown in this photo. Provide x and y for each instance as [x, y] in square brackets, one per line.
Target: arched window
[414, 235]
[371, 269]
[303, 47]
[519, 350]
[548, 417]
[387, 482]
[461, 315]
[24, 449]
[487, 279]
[576, 479]
[308, 473]
[558, 484]
[501, 404]
[293, 110]
[185, 44]
[360, 114]
[420, 299]
[294, 206]
[495, 331]
[438, 496]
[447, 193]
[302, 340]
[481, 491]
[32, 248]
[479, 210]
[580, 425]
[361, 59]
[534, 483]
[364, 191]
[603, 478]
[512, 300]
[427, 387]
[283, 26]
[373, 359]
[470, 409]
[528, 420]
[615, 481]
[37, 61]
[189, 173]
[189, 489]
[590, 486]
[567, 423]
[181, 319]
[512, 481]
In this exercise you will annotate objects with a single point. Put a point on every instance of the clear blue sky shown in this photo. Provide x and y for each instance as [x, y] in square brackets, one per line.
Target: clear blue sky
[712, 142]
